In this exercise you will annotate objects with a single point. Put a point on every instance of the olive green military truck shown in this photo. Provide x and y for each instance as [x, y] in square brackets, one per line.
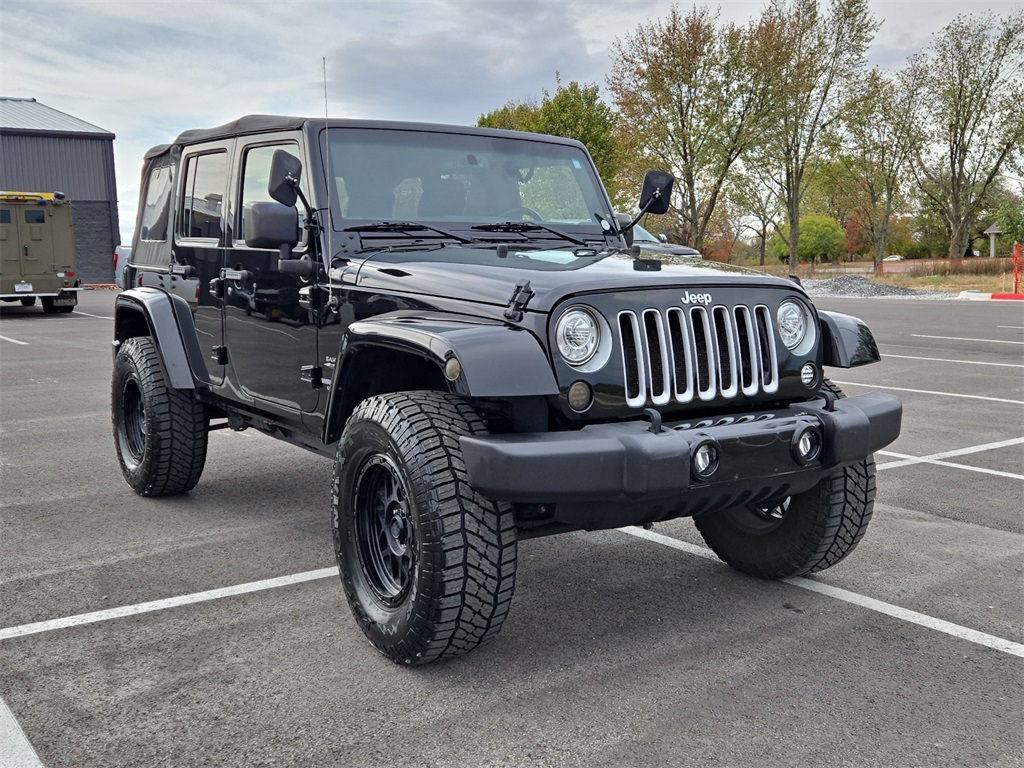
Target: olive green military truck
[37, 250]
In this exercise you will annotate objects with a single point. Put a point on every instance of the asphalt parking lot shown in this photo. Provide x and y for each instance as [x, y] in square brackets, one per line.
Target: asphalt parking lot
[621, 649]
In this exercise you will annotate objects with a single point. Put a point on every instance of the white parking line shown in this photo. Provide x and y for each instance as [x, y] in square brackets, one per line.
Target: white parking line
[959, 338]
[16, 751]
[14, 341]
[935, 458]
[98, 317]
[913, 617]
[159, 605]
[947, 360]
[929, 392]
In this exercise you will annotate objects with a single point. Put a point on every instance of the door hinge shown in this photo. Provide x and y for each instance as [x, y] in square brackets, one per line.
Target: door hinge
[314, 374]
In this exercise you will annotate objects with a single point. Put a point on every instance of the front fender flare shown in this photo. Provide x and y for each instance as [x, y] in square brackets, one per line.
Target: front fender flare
[846, 341]
[168, 320]
[495, 360]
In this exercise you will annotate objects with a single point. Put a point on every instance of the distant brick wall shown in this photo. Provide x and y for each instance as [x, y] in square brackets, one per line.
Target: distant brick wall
[94, 241]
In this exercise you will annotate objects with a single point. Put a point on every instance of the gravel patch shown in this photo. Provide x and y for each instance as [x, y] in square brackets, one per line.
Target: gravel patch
[859, 287]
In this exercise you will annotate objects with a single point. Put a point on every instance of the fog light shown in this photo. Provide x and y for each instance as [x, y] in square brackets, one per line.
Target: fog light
[807, 445]
[452, 368]
[809, 375]
[705, 461]
[580, 396]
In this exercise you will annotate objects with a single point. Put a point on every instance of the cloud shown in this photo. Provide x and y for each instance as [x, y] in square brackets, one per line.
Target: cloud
[148, 69]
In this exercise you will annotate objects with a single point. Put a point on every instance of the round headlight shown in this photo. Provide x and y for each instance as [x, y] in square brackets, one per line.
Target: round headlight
[792, 323]
[577, 335]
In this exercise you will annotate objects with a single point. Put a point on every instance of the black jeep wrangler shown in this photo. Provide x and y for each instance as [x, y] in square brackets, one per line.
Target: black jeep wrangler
[457, 316]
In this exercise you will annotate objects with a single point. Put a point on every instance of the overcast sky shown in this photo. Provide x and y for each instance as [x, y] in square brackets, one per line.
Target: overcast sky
[147, 69]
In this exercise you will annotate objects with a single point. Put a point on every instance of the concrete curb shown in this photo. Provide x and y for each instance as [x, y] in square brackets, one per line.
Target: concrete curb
[979, 296]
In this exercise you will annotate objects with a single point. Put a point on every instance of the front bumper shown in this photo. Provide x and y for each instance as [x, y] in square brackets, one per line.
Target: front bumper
[609, 475]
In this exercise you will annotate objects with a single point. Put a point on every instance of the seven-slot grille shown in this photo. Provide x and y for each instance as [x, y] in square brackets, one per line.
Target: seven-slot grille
[691, 353]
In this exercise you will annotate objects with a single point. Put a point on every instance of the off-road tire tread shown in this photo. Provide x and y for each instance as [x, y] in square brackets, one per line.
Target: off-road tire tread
[468, 583]
[844, 503]
[175, 456]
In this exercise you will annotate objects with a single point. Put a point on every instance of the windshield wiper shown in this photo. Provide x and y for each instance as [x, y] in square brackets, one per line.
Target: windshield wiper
[527, 226]
[404, 227]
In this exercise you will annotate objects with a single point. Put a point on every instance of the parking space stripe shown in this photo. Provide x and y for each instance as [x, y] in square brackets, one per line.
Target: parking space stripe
[98, 317]
[947, 360]
[906, 460]
[928, 392]
[159, 605]
[959, 338]
[14, 341]
[903, 614]
[16, 751]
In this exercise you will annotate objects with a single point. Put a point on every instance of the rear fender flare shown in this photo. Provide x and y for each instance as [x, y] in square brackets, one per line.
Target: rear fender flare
[168, 320]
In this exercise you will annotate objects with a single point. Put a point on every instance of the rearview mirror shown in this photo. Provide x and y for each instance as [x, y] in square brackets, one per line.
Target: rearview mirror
[285, 173]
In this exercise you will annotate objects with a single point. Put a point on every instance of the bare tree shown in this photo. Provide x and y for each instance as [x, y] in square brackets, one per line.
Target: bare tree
[819, 58]
[692, 97]
[973, 91]
[755, 205]
[882, 138]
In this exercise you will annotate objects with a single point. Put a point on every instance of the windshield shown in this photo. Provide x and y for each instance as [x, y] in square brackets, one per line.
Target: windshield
[641, 234]
[407, 175]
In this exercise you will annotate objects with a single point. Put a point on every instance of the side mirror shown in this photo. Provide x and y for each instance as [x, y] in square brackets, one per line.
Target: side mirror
[663, 238]
[285, 173]
[270, 225]
[656, 192]
[626, 227]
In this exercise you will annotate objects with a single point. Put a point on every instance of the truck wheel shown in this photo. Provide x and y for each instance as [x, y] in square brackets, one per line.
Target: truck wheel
[48, 305]
[427, 564]
[28, 301]
[160, 433]
[800, 534]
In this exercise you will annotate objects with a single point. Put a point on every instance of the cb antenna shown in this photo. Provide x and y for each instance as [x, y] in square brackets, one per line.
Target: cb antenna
[330, 171]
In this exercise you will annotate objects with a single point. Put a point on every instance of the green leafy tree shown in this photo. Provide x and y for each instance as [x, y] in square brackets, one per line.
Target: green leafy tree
[821, 239]
[973, 91]
[693, 96]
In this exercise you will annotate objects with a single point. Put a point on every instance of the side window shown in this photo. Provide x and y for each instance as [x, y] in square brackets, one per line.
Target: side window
[35, 216]
[155, 214]
[256, 177]
[5, 215]
[203, 199]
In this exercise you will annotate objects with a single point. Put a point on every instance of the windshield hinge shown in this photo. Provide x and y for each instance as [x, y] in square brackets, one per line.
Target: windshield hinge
[520, 298]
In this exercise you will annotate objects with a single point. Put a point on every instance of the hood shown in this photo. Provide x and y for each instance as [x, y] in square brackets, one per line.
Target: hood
[479, 275]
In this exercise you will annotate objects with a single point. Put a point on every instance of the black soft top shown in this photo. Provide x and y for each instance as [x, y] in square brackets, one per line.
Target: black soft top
[266, 123]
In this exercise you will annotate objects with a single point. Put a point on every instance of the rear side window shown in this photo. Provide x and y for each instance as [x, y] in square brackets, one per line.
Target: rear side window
[156, 212]
[5, 215]
[35, 216]
[203, 201]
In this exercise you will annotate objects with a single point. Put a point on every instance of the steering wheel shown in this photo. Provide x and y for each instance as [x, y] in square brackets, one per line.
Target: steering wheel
[522, 210]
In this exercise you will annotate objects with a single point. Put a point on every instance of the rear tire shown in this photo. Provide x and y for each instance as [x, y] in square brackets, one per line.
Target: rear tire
[28, 301]
[160, 433]
[427, 564]
[48, 305]
[800, 534]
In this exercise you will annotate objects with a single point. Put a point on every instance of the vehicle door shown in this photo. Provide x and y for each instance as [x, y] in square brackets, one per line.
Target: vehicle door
[198, 256]
[271, 338]
[35, 233]
[10, 248]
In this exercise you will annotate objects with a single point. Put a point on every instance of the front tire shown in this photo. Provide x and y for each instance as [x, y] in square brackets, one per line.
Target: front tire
[800, 534]
[427, 564]
[160, 433]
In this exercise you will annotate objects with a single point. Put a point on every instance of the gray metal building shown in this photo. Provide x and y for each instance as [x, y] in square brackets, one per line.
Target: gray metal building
[44, 150]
